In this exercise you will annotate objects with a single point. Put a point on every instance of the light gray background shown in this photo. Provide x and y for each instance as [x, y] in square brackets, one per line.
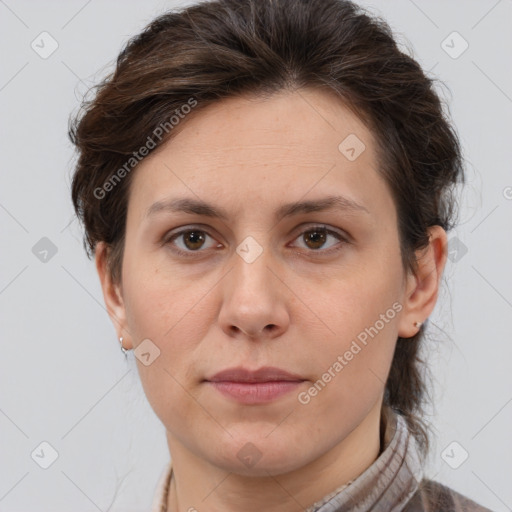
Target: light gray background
[63, 379]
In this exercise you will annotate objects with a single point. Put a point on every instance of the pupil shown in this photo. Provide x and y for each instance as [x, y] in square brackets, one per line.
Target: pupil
[317, 237]
[195, 238]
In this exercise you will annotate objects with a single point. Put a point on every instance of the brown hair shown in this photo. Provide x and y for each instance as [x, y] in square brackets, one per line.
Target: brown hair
[223, 48]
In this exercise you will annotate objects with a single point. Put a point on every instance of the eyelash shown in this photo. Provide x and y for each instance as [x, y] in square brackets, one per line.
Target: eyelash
[191, 254]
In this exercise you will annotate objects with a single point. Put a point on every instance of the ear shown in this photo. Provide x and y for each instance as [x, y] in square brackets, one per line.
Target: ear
[422, 286]
[112, 294]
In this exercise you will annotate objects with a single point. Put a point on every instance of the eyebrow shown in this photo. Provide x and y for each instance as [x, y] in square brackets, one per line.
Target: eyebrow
[198, 207]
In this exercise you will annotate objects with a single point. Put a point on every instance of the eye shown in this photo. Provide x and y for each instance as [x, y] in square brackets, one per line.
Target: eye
[190, 240]
[315, 237]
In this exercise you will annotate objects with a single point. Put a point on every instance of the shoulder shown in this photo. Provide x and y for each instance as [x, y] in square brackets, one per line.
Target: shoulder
[433, 496]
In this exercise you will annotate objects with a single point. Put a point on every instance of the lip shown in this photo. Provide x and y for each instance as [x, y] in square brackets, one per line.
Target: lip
[255, 386]
[264, 374]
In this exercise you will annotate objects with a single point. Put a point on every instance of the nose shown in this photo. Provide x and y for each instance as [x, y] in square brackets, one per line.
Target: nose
[254, 300]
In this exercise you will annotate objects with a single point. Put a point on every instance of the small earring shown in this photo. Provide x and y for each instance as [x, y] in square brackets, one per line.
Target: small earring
[417, 324]
[122, 348]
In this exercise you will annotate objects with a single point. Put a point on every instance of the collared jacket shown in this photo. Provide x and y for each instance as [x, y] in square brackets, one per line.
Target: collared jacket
[394, 482]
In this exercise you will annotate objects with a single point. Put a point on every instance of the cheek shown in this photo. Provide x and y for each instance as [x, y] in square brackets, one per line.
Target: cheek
[159, 299]
[354, 364]
[356, 299]
[362, 312]
[175, 314]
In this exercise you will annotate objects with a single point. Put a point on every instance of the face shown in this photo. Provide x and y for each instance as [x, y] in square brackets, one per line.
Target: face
[315, 289]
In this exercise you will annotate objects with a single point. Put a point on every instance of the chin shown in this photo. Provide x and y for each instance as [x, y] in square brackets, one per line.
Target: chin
[260, 454]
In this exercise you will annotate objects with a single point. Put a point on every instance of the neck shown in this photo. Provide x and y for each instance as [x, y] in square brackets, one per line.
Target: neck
[199, 485]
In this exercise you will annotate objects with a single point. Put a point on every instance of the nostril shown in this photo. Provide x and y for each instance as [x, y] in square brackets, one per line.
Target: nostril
[253, 334]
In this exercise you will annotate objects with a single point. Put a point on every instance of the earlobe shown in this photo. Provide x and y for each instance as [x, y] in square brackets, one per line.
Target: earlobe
[111, 294]
[422, 286]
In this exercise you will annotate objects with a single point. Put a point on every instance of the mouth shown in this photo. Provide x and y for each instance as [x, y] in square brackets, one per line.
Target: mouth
[255, 387]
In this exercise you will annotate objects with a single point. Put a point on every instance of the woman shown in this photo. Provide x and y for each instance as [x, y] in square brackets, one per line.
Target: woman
[265, 186]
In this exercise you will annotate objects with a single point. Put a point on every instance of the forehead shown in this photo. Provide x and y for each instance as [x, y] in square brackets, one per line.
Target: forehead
[303, 121]
[251, 147]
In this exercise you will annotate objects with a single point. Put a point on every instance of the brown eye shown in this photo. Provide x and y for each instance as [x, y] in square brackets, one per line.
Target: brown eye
[315, 239]
[189, 241]
[193, 239]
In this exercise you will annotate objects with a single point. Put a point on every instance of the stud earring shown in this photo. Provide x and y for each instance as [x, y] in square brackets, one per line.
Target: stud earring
[417, 324]
[122, 348]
